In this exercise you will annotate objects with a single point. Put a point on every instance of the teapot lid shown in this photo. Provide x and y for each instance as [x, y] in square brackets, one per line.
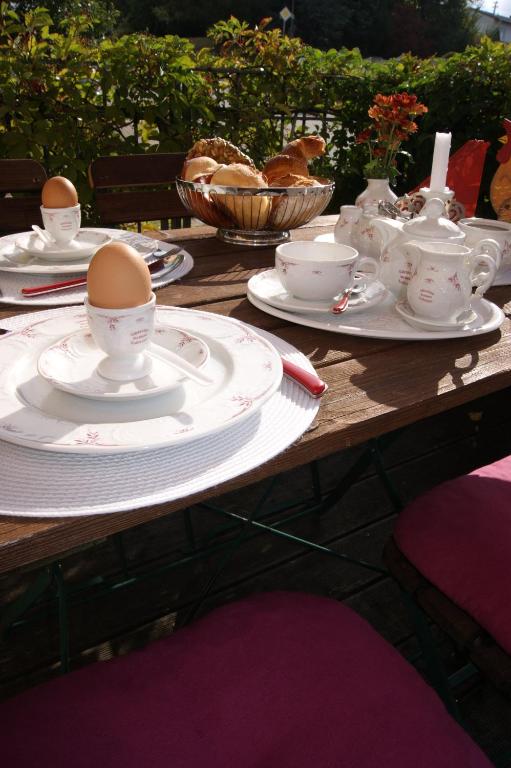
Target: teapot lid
[432, 223]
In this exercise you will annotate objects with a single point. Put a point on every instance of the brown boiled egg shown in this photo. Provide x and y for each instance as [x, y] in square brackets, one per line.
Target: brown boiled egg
[118, 278]
[58, 192]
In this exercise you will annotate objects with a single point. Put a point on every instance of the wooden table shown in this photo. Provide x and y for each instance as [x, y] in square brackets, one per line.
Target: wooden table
[375, 386]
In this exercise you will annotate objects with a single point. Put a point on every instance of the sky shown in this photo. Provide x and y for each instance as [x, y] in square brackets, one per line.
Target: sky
[503, 6]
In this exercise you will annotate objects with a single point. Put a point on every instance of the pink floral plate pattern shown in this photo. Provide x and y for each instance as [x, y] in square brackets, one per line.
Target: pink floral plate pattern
[245, 368]
[71, 364]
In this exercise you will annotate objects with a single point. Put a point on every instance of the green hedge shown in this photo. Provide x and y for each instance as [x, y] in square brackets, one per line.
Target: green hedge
[65, 100]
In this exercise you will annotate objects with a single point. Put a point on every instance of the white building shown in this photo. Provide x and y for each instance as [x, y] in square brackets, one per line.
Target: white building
[492, 24]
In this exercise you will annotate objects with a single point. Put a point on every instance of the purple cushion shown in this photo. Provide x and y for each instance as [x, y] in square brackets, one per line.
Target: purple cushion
[276, 681]
[459, 537]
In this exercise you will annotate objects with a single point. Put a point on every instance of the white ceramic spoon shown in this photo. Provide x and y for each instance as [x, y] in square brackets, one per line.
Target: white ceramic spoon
[42, 235]
[183, 366]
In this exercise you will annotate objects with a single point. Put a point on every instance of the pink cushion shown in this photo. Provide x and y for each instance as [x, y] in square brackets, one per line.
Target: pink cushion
[276, 681]
[459, 537]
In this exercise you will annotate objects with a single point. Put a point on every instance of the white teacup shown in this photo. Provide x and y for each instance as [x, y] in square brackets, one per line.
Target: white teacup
[316, 271]
[63, 224]
[477, 229]
[124, 334]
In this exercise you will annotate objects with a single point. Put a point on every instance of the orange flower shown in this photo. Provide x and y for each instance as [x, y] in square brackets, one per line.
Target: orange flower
[363, 136]
[392, 124]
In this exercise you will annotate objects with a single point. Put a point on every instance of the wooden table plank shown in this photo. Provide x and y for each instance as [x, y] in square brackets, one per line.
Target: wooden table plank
[375, 386]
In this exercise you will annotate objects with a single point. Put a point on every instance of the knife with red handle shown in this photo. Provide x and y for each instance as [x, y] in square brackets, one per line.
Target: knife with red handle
[155, 266]
[306, 379]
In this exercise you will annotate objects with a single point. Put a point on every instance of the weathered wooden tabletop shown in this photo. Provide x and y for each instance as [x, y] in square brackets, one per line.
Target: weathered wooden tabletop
[375, 386]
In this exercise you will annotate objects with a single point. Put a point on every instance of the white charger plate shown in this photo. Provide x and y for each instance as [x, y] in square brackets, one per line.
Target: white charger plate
[42, 484]
[267, 287]
[82, 246]
[245, 368]
[14, 259]
[383, 322]
[71, 364]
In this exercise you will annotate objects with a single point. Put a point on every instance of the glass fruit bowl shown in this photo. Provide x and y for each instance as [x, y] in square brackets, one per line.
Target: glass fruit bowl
[251, 216]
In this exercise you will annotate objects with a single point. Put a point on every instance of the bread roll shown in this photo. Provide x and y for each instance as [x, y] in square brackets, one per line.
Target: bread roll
[282, 165]
[248, 211]
[238, 175]
[199, 169]
[307, 146]
[292, 180]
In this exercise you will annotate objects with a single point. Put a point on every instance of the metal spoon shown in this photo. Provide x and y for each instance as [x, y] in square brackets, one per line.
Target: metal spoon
[342, 304]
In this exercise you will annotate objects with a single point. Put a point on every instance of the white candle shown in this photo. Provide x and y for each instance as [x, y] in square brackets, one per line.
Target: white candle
[440, 162]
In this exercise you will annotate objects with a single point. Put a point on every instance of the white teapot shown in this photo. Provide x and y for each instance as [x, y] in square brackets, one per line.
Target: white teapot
[397, 259]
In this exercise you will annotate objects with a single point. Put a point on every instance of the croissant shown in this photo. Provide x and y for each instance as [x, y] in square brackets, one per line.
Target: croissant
[307, 146]
[282, 165]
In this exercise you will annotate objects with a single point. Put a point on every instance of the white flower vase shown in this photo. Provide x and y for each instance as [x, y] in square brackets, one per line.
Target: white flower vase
[376, 190]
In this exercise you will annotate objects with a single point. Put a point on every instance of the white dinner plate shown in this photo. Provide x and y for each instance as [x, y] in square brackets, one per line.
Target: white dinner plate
[267, 287]
[404, 309]
[383, 322]
[14, 259]
[71, 365]
[81, 247]
[11, 283]
[245, 368]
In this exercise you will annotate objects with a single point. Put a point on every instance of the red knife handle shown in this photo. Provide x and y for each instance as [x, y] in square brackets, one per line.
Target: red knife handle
[309, 381]
[54, 286]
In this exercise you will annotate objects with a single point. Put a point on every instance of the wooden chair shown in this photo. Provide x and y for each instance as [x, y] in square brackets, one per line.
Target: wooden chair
[451, 554]
[137, 188]
[21, 182]
[279, 679]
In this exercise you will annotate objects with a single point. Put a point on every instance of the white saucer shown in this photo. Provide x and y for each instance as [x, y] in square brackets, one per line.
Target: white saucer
[266, 286]
[13, 259]
[70, 364]
[466, 320]
[83, 245]
[328, 238]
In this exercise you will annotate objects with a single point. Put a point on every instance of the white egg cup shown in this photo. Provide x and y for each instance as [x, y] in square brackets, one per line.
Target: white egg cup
[63, 224]
[125, 335]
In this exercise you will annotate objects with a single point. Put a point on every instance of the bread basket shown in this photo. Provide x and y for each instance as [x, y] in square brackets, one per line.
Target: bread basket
[255, 217]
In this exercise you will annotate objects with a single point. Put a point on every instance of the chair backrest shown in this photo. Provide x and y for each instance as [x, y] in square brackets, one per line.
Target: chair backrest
[21, 182]
[137, 188]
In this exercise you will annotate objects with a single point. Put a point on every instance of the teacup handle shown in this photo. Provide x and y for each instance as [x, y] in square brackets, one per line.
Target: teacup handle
[487, 252]
[492, 248]
[364, 261]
